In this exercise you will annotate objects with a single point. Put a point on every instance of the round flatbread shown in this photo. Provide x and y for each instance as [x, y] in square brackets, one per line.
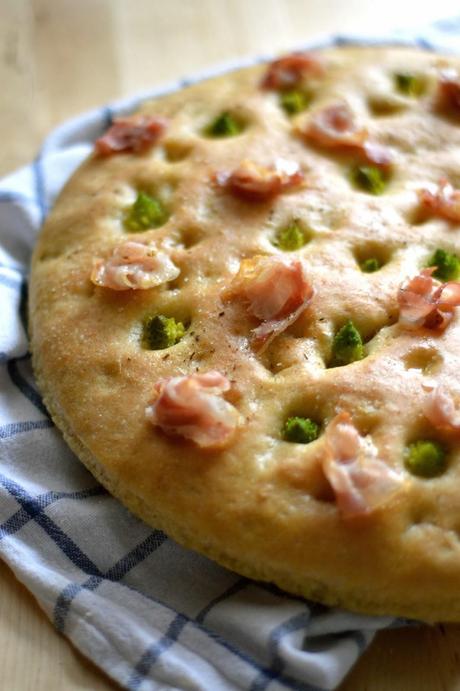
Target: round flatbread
[244, 320]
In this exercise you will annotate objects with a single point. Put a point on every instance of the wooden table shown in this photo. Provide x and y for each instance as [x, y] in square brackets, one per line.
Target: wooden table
[60, 57]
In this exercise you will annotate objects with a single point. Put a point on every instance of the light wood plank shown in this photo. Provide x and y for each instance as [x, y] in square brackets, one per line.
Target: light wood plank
[424, 658]
[33, 656]
[76, 57]
[18, 80]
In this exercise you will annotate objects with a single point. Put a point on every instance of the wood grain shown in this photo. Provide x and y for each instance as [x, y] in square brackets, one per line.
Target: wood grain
[60, 57]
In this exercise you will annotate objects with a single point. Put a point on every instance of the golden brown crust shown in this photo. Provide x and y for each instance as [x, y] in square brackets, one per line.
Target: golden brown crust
[261, 505]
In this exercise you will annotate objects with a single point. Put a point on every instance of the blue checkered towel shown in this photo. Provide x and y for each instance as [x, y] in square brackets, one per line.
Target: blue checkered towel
[151, 614]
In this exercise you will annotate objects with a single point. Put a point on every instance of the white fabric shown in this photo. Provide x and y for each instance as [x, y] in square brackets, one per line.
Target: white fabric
[151, 614]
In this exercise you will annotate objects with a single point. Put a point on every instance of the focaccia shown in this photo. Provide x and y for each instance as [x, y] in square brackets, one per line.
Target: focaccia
[244, 321]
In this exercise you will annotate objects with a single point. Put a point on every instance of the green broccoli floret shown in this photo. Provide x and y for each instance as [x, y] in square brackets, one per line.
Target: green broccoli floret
[409, 84]
[225, 125]
[161, 332]
[369, 179]
[301, 430]
[295, 101]
[447, 265]
[425, 458]
[290, 238]
[347, 345]
[370, 265]
[146, 212]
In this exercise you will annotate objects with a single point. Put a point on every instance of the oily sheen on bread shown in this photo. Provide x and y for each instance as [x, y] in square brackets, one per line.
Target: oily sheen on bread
[244, 320]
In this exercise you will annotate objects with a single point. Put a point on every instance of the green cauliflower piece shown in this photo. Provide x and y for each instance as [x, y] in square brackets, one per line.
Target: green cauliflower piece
[347, 345]
[224, 125]
[409, 84]
[146, 212]
[290, 238]
[425, 458]
[300, 430]
[370, 265]
[161, 332]
[447, 265]
[369, 179]
[294, 101]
